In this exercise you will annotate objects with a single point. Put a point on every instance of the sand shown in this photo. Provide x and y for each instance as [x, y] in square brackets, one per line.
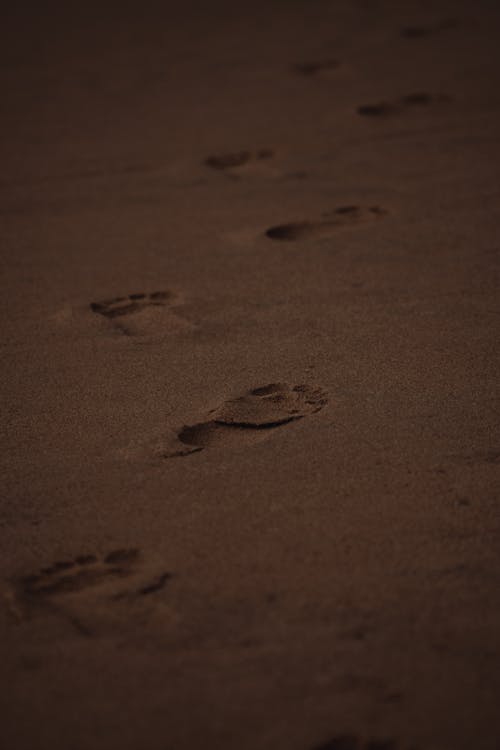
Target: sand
[250, 445]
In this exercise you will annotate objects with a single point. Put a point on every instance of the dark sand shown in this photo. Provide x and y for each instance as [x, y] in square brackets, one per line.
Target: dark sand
[250, 444]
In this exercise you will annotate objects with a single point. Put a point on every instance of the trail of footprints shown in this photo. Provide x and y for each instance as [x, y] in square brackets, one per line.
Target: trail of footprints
[248, 418]
[142, 314]
[69, 588]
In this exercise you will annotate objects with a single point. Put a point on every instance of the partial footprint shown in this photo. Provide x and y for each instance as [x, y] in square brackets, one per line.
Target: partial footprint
[399, 106]
[417, 32]
[479, 457]
[352, 742]
[316, 68]
[66, 585]
[344, 216]
[241, 162]
[261, 164]
[142, 314]
[249, 417]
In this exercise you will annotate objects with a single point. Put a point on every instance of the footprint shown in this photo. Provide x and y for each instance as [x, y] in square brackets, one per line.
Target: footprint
[381, 109]
[261, 163]
[352, 742]
[417, 32]
[142, 314]
[67, 584]
[317, 67]
[118, 306]
[399, 106]
[249, 417]
[343, 216]
[240, 161]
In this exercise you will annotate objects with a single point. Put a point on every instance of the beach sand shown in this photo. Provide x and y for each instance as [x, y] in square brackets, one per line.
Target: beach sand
[250, 439]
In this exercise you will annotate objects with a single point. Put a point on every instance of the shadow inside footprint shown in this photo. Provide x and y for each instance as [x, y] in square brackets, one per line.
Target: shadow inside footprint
[381, 109]
[385, 109]
[339, 217]
[232, 161]
[418, 99]
[249, 416]
[351, 742]
[342, 742]
[118, 306]
[142, 314]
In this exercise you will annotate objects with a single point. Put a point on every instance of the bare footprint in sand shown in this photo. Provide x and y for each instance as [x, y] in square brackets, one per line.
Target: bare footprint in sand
[344, 216]
[248, 418]
[417, 32]
[402, 105]
[316, 68]
[70, 588]
[141, 314]
[238, 163]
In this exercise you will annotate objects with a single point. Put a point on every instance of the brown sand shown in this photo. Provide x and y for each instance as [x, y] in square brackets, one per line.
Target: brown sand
[250, 446]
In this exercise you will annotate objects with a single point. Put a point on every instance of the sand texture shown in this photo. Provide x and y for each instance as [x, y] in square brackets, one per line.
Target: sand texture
[250, 442]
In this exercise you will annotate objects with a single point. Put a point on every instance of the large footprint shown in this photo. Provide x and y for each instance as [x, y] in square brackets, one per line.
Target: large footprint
[353, 742]
[344, 216]
[402, 105]
[249, 417]
[142, 314]
[67, 587]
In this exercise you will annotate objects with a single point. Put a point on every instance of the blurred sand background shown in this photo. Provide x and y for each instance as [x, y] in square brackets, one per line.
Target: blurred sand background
[250, 438]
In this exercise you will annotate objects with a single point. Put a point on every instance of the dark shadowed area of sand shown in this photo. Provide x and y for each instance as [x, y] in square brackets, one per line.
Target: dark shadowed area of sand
[250, 445]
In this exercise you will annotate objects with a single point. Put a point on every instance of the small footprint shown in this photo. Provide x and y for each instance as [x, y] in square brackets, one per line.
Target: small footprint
[119, 306]
[352, 742]
[142, 314]
[237, 161]
[249, 417]
[318, 67]
[343, 216]
[399, 106]
[56, 589]
[417, 32]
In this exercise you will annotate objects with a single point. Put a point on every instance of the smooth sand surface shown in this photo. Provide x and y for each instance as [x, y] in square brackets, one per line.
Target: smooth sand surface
[250, 444]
